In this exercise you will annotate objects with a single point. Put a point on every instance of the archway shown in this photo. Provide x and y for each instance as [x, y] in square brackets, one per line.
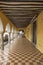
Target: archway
[34, 31]
[21, 33]
[6, 34]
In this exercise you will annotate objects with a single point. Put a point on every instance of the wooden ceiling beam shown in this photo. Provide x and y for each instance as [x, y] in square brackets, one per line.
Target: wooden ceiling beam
[7, 6]
[20, 11]
[21, 2]
[17, 14]
[35, 16]
[21, 15]
[27, 9]
[19, 19]
[13, 13]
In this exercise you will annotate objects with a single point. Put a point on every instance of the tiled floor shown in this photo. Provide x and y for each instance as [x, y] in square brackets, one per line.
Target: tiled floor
[21, 52]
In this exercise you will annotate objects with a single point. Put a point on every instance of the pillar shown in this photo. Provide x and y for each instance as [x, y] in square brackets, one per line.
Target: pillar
[2, 44]
[9, 38]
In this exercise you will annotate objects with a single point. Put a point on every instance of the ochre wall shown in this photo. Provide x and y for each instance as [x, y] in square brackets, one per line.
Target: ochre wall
[40, 32]
[29, 32]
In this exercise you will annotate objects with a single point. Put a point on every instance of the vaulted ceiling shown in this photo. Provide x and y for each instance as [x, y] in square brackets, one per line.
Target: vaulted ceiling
[21, 13]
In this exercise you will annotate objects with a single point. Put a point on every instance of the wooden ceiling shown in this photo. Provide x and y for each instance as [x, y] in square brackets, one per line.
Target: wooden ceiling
[21, 13]
[21, 0]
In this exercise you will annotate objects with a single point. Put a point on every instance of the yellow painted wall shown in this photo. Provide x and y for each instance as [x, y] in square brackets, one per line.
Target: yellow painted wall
[40, 32]
[28, 35]
[29, 32]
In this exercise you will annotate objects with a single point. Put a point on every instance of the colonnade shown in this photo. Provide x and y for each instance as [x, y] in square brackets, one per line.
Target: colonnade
[8, 31]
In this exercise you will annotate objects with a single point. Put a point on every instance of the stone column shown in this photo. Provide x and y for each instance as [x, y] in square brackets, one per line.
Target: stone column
[9, 38]
[2, 44]
[12, 36]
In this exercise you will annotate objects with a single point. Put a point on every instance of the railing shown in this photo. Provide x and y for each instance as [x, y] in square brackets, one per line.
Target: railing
[6, 42]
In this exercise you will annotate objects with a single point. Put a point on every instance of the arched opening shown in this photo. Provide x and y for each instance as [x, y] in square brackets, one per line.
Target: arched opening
[21, 33]
[6, 34]
[34, 40]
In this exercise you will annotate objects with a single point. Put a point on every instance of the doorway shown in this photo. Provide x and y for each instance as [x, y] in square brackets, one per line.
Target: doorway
[34, 32]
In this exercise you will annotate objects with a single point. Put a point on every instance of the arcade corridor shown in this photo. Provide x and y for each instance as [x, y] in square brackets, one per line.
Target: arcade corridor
[21, 32]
